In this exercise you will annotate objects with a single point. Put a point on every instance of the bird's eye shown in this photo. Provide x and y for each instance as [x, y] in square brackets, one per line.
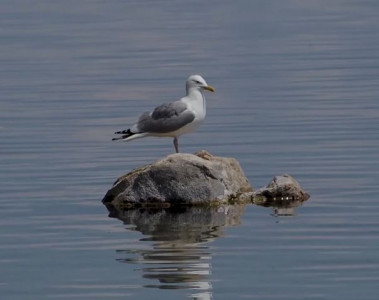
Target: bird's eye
[197, 82]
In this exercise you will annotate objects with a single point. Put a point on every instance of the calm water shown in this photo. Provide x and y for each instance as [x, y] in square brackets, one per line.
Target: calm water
[297, 91]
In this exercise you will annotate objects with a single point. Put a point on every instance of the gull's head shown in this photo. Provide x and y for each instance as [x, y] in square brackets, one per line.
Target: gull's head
[199, 83]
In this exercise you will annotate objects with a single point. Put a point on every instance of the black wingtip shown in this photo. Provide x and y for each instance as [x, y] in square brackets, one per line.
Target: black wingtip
[123, 132]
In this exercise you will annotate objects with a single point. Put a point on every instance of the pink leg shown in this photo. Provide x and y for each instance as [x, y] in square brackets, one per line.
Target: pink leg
[176, 145]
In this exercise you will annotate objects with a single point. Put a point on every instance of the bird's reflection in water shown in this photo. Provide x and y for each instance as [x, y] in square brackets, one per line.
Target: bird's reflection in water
[179, 256]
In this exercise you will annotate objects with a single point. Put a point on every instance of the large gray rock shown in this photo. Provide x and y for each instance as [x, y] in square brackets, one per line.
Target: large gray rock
[181, 179]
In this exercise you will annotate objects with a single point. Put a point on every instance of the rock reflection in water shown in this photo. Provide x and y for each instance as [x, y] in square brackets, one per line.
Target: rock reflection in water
[283, 207]
[179, 257]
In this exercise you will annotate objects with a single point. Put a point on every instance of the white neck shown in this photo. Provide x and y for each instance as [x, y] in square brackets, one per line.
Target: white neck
[194, 93]
[197, 100]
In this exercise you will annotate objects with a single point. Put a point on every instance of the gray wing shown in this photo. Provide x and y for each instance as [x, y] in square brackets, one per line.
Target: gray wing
[165, 118]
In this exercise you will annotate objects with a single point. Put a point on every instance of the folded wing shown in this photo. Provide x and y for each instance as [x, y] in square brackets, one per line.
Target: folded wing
[165, 118]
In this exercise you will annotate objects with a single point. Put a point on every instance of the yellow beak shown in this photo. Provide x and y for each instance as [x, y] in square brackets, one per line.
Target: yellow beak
[209, 88]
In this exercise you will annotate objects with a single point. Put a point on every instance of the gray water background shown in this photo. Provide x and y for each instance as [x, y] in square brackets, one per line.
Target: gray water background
[297, 90]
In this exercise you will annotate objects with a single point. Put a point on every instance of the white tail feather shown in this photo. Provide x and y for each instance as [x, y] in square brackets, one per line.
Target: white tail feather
[135, 136]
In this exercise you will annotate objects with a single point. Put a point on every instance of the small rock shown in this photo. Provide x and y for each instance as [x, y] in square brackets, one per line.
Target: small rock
[283, 190]
[181, 178]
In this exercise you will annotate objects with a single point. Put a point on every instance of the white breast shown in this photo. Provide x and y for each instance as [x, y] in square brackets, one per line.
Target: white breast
[196, 103]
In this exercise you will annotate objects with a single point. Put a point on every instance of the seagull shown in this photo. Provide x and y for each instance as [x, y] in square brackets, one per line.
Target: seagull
[172, 119]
